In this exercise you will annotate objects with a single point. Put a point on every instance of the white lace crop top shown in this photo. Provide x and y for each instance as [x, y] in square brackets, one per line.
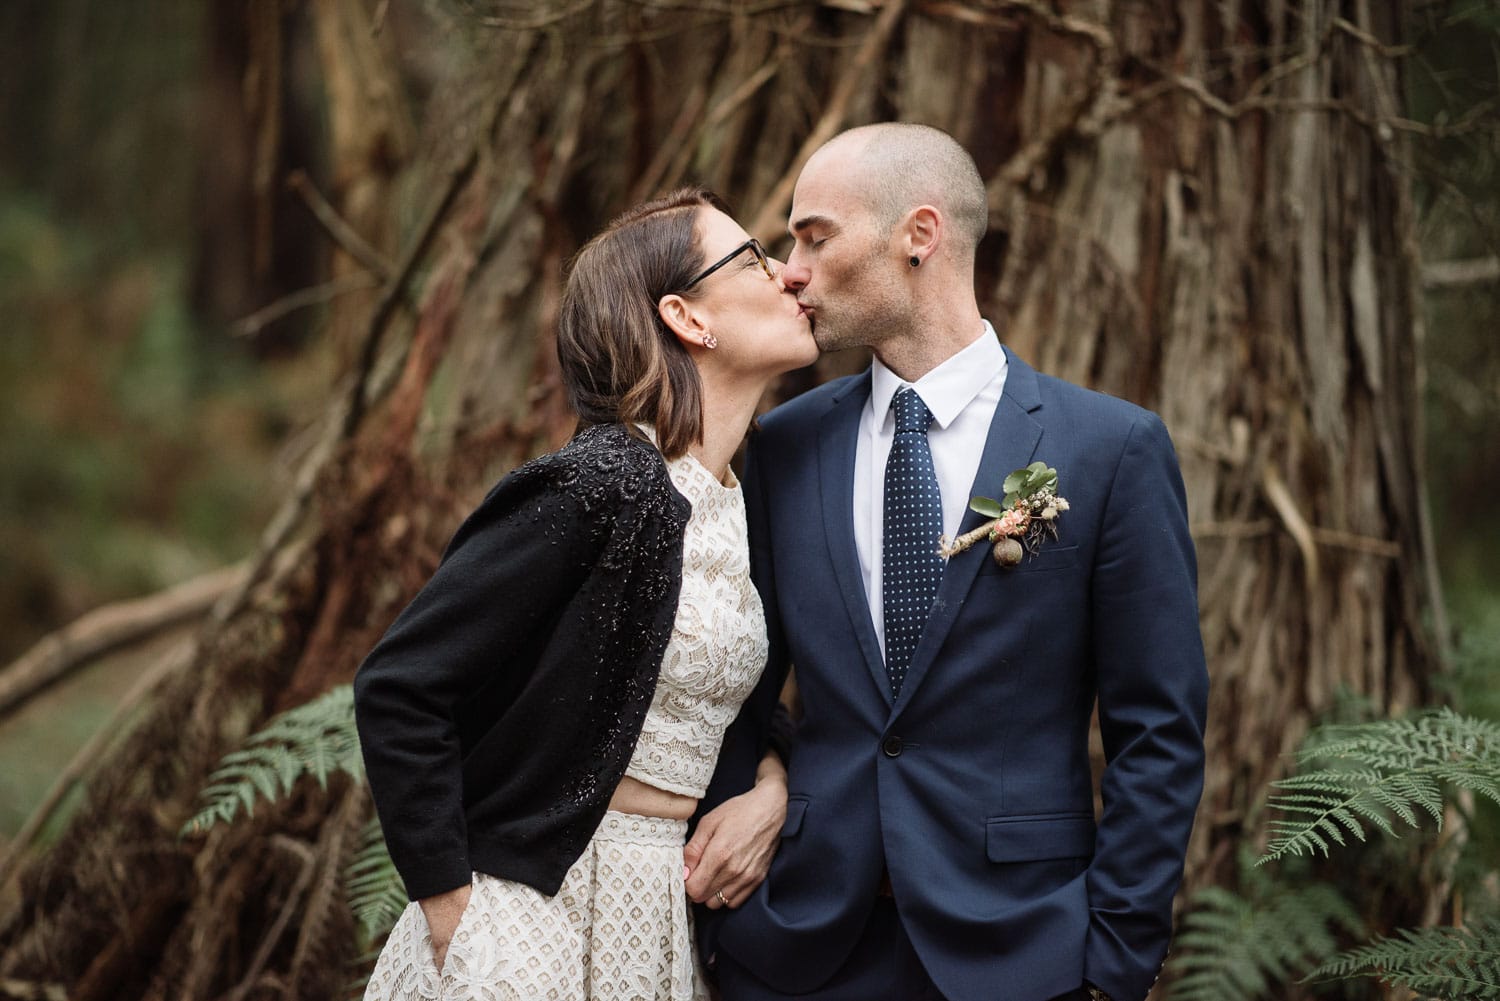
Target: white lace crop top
[718, 646]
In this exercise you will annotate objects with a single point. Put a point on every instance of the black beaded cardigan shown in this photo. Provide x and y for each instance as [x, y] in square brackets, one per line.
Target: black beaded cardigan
[499, 712]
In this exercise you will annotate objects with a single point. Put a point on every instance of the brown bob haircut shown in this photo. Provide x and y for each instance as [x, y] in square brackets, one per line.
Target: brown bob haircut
[620, 361]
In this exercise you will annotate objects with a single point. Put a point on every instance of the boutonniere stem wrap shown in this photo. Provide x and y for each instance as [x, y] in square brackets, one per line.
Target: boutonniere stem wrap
[1019, 522]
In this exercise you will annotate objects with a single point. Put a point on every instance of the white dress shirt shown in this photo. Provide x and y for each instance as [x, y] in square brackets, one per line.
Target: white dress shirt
[962, 394]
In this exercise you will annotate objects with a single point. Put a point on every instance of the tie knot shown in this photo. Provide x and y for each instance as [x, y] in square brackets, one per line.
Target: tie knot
[911, 413]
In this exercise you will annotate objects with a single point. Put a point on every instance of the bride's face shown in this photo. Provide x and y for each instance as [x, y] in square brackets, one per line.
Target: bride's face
[759, 326]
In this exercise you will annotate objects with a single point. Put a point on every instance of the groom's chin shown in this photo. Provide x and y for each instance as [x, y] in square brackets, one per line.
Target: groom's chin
[827, 338]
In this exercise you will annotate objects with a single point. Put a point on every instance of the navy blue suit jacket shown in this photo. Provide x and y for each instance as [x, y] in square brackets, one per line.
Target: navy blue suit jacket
[973, 787]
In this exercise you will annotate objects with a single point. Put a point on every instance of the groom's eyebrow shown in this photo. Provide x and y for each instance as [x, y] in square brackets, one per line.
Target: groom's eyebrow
[807, 222]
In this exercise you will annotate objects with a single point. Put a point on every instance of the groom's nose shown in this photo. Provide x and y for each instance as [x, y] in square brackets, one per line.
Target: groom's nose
[794, 274]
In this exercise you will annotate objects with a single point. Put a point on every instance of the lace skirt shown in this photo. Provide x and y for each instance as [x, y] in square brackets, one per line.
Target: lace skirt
[619, 929]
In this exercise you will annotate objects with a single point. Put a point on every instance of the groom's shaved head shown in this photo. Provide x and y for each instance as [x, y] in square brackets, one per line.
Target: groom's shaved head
[898, 166]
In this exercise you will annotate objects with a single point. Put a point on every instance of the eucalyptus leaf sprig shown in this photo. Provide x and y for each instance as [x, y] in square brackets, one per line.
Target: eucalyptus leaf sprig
[1018, 522]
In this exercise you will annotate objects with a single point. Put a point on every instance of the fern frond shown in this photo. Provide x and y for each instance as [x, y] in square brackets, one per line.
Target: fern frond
[372, 886]
[1379, 773]
[317, 739]
[360, 969]
[1455, 964]
[1230, 948]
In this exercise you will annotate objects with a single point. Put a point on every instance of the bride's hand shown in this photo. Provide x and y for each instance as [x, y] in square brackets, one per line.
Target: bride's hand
[443, 912]
[732, 848]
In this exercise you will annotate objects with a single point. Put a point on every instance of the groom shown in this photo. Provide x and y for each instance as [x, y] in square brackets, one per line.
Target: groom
[940, 838]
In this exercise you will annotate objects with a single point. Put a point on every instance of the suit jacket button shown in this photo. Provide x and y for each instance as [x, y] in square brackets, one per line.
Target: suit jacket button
[892, 747]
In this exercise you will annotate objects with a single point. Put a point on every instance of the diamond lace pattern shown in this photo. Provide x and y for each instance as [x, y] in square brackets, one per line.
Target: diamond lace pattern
[619, 929]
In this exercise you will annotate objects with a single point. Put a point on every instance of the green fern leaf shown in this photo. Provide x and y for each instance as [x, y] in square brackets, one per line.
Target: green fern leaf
[1453, 964]
[318, 739]
[1231, 948]
[372, 886]
[1380, 772]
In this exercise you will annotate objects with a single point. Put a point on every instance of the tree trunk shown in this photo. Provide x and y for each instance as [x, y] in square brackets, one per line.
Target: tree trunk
[1199, 207]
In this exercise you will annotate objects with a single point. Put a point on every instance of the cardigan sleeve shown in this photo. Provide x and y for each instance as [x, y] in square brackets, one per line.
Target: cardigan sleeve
[512, 564]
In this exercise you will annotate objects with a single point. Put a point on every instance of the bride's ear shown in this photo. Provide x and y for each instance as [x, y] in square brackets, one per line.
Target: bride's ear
[683, 320]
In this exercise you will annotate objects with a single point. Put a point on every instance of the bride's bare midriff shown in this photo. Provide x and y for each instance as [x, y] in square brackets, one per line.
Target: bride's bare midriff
[635, 796]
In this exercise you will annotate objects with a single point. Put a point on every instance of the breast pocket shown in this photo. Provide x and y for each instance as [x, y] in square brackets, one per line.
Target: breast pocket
[1046, 559]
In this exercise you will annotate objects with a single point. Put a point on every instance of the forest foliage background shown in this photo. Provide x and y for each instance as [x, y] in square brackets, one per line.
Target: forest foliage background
[148, 431]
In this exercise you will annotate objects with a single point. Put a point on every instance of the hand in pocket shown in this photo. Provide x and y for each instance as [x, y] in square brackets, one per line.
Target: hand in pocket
[443, 912]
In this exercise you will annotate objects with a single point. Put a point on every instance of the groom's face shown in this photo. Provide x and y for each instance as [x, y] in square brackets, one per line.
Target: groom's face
[843, 266]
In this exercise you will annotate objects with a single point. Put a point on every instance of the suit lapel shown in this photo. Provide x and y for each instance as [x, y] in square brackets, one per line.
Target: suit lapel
[1011, 442]
[838, 436]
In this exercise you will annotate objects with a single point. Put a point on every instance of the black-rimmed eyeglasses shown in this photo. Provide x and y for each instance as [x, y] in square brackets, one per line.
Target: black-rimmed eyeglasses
[752, 245]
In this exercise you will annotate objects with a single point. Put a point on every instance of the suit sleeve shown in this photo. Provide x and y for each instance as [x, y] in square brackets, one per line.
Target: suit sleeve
[1153, 693]
[511, 566]
[760, 725]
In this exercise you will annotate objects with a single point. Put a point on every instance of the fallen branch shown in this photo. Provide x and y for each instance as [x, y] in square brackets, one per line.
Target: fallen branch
[59, 654]
[91, 753]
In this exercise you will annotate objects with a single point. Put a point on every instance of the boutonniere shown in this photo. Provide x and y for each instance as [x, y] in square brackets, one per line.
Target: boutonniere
[1020, 521]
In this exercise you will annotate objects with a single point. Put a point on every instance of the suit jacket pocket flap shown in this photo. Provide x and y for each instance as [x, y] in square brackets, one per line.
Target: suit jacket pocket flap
[795, 808]
[1034, 839]
[1050, 556]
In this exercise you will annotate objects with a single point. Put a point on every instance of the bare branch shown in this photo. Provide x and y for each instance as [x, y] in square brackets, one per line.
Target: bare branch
[1363, 36]
[672, 146]
[1458, 274]
[1296, 525]
[335, 225]
[1330, 538]
[307, 864]
[1091, 107]
[731, 102]
[458, 176]
[302, 299]
[535, 23]
[27, 990]
[58, 654]
[771, 219]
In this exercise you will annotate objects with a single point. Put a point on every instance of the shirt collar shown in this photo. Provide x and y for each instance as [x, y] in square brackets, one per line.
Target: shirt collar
[947, 389]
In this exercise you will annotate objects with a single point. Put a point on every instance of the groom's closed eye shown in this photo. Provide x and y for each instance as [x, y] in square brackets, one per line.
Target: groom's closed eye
[808, 226]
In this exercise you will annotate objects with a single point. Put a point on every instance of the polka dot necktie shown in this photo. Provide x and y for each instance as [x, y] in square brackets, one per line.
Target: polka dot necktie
[911, 569]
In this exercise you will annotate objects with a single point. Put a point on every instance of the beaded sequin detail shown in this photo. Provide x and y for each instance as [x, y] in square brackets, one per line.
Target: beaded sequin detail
[718, 645]
[601, 467]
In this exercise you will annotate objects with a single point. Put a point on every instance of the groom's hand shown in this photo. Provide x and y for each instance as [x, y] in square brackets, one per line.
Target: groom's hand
[732, 848]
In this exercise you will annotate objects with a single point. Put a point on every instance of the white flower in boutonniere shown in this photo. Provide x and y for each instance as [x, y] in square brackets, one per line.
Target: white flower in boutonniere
[1020, 521]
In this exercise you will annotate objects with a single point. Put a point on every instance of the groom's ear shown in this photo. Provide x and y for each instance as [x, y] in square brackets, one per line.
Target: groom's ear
[923, 231]
[682, 319]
